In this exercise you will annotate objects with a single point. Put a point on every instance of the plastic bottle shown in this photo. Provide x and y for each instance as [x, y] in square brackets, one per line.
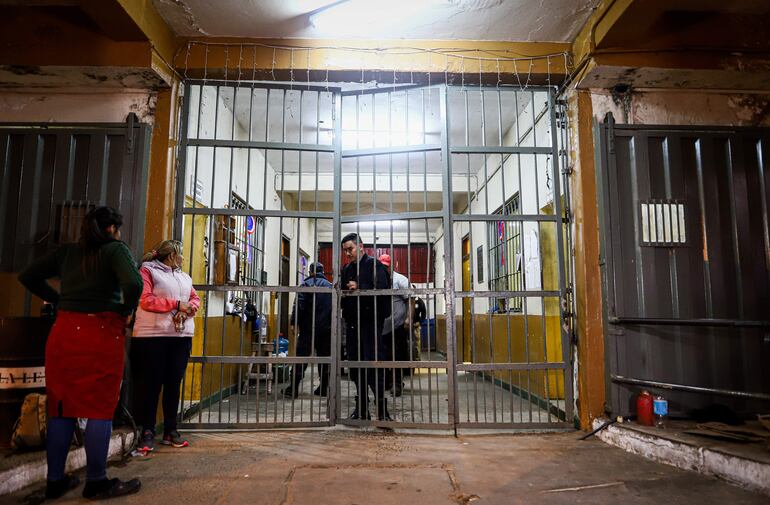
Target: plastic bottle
[262, 328]
[660, 409]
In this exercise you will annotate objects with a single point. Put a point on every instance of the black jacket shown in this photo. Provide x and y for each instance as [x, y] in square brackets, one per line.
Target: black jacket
[369, 273]
[303, 308]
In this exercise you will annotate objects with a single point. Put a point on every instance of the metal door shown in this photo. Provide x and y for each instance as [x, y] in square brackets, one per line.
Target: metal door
[257, 167]
[685, 241]
[505, 149]
[408, 169]
[52, 174]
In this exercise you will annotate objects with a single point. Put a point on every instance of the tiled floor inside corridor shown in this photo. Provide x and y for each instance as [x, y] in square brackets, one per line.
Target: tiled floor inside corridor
[424, 400]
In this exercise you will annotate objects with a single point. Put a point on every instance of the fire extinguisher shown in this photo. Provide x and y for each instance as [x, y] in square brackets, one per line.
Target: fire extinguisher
[644, 409]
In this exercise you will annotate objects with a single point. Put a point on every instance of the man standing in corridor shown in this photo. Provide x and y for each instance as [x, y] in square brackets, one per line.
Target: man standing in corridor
[364, 319]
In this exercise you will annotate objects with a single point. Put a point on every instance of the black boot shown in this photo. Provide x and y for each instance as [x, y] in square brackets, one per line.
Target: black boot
[360, 412]
[110, 488]
[382, 410]
[57, 488]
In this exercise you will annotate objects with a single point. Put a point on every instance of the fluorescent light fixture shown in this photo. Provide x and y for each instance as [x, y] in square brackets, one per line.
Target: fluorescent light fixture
[344, 14]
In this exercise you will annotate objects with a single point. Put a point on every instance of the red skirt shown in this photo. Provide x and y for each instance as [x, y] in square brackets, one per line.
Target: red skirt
[84, 364]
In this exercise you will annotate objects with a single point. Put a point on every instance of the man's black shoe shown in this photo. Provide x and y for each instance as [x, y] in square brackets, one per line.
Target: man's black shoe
[318, 392]
[290, 392]
[355, 415]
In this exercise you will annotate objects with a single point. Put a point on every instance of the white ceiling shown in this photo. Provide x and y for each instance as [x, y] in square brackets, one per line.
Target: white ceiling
[501, 20]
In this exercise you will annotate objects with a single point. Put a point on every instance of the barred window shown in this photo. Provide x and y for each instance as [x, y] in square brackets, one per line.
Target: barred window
[505, 258]
[249, 238]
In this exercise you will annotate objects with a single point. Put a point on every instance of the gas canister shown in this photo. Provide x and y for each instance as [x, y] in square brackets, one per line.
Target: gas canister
[644, 415]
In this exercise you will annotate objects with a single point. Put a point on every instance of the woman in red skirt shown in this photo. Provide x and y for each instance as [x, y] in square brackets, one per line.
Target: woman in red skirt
[100, 288]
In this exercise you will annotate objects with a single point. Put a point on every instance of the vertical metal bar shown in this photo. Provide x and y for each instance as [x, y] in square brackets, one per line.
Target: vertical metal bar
[491, 330]
[427, 235]
[296, 253]
[565, 337]
[508, 250]
[211, 234]
[280, 264]
[336, 330]
[181, 165]
[449, 288]
[392, 258]
[410, 299]
[763, 189]
[734, 230]
[704, 229]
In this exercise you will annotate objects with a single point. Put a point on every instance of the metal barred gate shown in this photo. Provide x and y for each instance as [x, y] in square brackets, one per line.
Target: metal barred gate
[459, 186]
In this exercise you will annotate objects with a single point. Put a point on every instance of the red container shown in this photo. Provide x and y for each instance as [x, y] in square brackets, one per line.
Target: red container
[644, 415]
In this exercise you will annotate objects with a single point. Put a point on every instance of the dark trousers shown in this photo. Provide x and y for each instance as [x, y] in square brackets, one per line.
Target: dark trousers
[400, 343]
[158, 362]
[367, 378]
[304, 348]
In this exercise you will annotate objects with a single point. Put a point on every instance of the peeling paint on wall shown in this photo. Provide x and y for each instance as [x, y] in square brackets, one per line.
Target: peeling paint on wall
[77, 106]
[753, 109]
[177, 11]
[687, 108]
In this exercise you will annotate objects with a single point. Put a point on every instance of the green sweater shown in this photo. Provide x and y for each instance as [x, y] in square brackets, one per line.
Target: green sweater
[99, 291]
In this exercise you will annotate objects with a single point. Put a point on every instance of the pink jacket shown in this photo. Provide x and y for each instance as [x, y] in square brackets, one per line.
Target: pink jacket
[163, 288]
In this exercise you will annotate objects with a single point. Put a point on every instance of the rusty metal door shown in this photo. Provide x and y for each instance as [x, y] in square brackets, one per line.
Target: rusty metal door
[684, 223]
[52, 174]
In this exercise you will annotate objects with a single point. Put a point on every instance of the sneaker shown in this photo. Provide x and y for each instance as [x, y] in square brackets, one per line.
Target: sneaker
[147, 443]
[174, 439]
[57, 488]
[110, 488]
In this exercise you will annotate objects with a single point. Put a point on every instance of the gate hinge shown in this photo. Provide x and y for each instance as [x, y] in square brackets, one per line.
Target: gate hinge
[130, 119]
[568, 170]
[609, 120]
[567, 219]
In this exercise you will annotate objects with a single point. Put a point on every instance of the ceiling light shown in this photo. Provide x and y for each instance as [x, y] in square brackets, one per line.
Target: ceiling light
[345, 14]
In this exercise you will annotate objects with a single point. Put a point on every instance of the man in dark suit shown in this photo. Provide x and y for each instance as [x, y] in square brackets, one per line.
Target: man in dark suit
[364, 318]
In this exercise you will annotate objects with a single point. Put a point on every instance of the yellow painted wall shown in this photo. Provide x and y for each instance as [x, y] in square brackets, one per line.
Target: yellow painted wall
[200, 383]
[237, 335]
[495, 349]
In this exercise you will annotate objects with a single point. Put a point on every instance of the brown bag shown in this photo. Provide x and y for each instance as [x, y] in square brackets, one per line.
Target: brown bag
[29, 432]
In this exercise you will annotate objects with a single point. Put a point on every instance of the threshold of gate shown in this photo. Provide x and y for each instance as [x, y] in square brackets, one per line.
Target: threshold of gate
[744, 464]
[391, 427]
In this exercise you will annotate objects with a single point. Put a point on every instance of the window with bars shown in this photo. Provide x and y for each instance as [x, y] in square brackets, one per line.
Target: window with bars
[505, 257]
[248, 237]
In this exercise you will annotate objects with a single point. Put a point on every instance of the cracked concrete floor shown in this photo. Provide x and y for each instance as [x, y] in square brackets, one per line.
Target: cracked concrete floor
[349, 467]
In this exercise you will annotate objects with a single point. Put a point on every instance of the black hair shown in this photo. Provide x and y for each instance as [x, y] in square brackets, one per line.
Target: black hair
[93, 234]
[350, 237]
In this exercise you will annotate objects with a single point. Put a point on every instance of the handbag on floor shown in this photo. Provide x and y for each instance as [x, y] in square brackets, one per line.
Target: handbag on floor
[29, 432]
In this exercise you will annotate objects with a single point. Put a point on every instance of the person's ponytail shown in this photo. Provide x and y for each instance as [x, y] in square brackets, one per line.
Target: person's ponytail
[94, 234]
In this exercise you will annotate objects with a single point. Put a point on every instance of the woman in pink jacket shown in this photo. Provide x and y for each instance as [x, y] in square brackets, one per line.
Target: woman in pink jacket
[162, 340]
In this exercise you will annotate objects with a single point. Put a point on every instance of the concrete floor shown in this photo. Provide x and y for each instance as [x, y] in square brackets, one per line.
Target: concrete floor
[351, 467]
